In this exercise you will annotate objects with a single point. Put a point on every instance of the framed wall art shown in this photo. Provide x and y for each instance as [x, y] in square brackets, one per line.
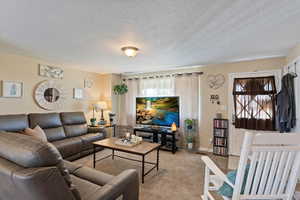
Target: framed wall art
[12, 89]
[78, 93]
[88, 83]
[51, 71]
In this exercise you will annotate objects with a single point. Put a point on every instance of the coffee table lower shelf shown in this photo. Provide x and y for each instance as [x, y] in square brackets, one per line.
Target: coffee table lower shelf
[143, 161]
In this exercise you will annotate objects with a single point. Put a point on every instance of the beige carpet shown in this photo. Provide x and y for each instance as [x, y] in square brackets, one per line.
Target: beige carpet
[180, 176]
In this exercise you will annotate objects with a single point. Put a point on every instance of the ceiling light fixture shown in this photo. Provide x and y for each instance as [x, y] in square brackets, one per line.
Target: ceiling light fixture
[130, 51]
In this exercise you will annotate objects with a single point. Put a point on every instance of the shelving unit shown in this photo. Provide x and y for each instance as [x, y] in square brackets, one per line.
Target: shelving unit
[220, 140]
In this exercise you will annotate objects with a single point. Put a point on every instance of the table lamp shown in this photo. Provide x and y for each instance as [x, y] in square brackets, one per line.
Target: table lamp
[101, 105]
[93, 119]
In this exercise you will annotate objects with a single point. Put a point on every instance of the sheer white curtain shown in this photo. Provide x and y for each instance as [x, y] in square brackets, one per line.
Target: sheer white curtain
[143, 87]
[128, 102]
[157, 87]
[187, 87]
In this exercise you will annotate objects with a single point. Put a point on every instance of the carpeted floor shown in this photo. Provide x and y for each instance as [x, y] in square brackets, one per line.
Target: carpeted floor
[180, 176]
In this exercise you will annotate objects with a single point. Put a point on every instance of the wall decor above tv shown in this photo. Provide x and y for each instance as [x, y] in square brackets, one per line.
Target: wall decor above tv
[159, 111]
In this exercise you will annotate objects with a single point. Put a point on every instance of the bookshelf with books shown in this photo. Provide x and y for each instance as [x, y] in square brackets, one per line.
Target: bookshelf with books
[220, 139]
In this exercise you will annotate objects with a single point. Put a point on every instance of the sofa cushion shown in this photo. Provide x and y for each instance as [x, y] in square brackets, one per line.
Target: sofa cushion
[37, 133]
[74, 123]
[54, 134]
[226, 190]
[13, 123]
[70, 118]
[45, 120]
[75, 130]
[89, 138]
[69, 146]
[50, 123]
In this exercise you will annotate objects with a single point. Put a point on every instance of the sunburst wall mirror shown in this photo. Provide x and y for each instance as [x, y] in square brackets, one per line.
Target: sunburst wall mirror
[49, 95]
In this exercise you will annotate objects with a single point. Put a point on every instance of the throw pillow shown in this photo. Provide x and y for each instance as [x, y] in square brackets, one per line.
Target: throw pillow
[226, 190]
[37, 132]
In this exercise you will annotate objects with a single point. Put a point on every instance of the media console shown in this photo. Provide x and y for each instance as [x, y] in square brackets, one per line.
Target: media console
[166, 135]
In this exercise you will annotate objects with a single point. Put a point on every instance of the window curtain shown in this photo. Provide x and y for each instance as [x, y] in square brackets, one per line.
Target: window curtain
[188, 90]
[143, 87]
[254, 102]
[128, 101]
[157, 87]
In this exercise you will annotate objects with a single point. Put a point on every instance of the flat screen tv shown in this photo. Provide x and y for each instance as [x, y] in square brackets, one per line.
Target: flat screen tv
[159, 111]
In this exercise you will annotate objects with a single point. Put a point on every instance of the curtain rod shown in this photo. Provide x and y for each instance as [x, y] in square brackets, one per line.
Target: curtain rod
[152, 76]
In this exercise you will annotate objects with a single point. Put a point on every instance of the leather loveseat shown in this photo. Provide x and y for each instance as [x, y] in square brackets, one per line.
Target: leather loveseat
[67, 131]
[34, 170]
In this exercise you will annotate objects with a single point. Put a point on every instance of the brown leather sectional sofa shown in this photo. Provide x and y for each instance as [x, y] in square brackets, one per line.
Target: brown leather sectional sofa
[67, 131]
[35, 170]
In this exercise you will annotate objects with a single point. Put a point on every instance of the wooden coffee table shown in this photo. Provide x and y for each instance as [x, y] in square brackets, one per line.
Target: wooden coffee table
[142, 150]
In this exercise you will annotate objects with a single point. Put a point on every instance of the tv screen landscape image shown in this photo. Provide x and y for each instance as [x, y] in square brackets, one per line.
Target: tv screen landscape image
[160, 111]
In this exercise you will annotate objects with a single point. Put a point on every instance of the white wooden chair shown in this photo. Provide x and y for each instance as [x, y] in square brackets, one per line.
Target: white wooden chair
[274, 161]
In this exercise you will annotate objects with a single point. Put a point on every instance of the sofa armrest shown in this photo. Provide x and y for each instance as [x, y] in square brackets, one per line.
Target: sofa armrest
[125, 184]
[39, 183]
[216, 170]
[89, 174]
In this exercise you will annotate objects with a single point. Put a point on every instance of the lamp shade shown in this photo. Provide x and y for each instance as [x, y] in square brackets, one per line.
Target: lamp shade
[101, 105]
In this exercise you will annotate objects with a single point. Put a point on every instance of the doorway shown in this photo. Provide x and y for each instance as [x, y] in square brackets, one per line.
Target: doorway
[236, 135]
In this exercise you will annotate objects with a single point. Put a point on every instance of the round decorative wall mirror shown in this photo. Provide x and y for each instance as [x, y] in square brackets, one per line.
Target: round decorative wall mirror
[49, 95]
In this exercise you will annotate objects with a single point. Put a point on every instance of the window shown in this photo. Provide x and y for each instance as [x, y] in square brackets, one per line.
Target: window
[157, 87]
[254, 103]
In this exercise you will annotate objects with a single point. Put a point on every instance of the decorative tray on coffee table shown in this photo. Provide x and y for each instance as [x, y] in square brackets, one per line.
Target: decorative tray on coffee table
[126, 143]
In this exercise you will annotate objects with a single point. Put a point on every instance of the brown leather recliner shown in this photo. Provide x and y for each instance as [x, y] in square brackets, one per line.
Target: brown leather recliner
[34, 170]
[75, 126]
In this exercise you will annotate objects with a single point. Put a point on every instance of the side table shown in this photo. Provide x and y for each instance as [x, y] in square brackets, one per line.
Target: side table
[107, 126]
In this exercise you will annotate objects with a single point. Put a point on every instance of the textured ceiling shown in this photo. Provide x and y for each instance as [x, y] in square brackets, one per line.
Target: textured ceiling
[88, 34]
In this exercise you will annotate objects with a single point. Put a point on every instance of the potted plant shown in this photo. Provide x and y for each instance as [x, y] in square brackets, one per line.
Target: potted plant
[120, 89]
[189, 124]
[189, 129]
[93, 121]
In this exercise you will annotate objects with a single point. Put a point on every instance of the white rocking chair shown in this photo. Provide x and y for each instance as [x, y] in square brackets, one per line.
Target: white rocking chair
[274, 161]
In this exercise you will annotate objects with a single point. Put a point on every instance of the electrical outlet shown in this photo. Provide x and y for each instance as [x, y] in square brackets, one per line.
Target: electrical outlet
[211, 140]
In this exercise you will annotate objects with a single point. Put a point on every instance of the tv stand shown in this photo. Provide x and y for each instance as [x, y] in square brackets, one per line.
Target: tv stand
[156, 131]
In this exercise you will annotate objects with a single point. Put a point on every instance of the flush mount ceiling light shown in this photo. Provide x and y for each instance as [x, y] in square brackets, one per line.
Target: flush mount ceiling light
[130, 51]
